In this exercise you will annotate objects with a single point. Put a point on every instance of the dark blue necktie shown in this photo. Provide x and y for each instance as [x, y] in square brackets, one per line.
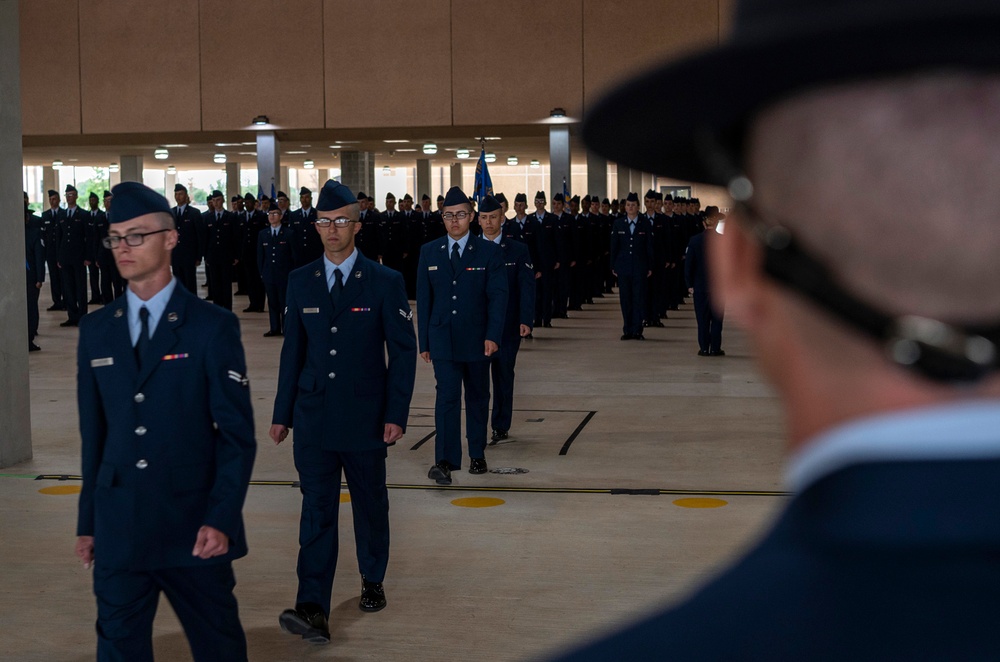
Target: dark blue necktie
[143, 341]
[456, 259]
[338, 286]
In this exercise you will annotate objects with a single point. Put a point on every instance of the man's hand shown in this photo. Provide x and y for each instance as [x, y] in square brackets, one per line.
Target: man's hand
[538, 274]
[690, 290]
[525, 330]
[278, 433]
[426, 356]
[210, 542]
[614, 273]
[491, 348]
[392, 434]
[649, 273]
[38, 286]
[85, 550]
[86, 263]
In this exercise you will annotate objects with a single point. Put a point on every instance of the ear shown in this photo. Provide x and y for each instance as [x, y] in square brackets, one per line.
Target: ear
[735, 262]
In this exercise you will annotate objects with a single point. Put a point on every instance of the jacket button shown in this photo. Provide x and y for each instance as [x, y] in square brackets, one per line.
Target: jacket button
[139, 397]
[333, 329]
[454, 282]
[332, 375]
[333, 352]
[141, 464]
[454, 297]
[454, 312]
[141, 430]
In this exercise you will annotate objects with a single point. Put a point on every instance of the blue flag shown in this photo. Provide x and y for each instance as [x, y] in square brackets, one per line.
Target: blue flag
[273, 195]
[483, 184]
[565, 190]
[260, 191]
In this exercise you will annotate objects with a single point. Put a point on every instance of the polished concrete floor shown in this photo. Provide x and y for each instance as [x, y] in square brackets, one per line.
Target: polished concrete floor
[613, 435]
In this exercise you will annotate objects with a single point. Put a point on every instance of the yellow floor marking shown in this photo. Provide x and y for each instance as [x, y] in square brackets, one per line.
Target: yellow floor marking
[345, 497]
[61, 489]
[478, 502]
[700, 503]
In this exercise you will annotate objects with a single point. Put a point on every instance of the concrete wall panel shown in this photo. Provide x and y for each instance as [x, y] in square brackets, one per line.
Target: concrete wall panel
[50, 67]
[387, 62]
[140, 66]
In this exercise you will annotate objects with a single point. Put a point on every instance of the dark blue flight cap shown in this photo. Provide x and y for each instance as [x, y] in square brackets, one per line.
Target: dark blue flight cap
[455, 196]
[305, 191]
[407, 197]
[501, 198]
[425, 197]
[70, 187]
[540, 196]
[249, 198]
[180, 187]
[52, 192]
[282, 194]
[216, 194]
[133, 199]
[558, 197]
[605, 201]
[632, 197]
[651, 194]
[440, 198]
[489, 204]
[575, 198]
[334, 195]
[107, 194]
[235, 198]
[521, 197]
[93, 194]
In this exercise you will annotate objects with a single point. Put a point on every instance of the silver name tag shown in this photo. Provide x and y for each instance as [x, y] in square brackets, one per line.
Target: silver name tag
[310, 310]
[100, 363]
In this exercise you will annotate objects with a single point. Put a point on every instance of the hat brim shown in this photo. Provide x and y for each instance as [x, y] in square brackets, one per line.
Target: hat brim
[645, 124]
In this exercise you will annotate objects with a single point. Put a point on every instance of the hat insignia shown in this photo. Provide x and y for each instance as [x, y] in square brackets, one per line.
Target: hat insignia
[119, 313]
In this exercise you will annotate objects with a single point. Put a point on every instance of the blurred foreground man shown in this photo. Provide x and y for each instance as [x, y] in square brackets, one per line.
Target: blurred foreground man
[346, 378]
[167, 445]
[883, 349]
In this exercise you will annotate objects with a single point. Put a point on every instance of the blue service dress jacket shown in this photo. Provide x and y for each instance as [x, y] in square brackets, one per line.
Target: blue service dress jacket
[169, 448]
[632, 252]
[520, 291]
[894, 560]
[275, 255]
[457, 312]
[335, 386]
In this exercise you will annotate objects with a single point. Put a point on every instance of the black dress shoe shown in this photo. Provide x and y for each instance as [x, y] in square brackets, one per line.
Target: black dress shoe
[440, 473]
[56, 306]
[717, 352]
[372, 596]
[548, 325]
[657, 323]
[272, 334]
[69, 323]
[529, 336]
[307, 620]
[627, 336]
[702, 352]
[498, 435]
[638, 336]
[32, 347]
[477, 465]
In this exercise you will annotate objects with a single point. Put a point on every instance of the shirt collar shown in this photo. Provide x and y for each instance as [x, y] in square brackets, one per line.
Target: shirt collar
[461, 243]
[156, 305]
[498, 239]
[959, 431]
[346, 267]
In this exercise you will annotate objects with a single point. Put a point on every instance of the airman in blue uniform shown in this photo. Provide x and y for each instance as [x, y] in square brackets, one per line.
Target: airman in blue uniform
[275, 260]
[631, 263]
[461, 303]
[34, 265]
[518, 319]
[167, 447]
[346, 403]
[72, 254]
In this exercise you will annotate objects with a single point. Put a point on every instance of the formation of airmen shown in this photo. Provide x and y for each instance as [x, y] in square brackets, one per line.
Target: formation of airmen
[570, 246]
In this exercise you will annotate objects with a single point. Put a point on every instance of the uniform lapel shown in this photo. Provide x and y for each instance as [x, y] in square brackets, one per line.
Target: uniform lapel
[165, 336]
[120, 344]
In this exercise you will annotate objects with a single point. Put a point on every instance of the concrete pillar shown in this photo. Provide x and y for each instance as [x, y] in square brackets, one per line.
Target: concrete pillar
[232, 182]
[597, 175]
[456, 176]
[623, 182]
[49, 183]
[268, 161]
[356, 173]
[15, 405]
[559, 162]
[169, 181]
[114, 178]
[131, 169]
[423, 179]
[283, 180]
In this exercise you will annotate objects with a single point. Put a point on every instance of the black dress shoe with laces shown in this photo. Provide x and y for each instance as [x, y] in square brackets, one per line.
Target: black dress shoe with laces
[498, 435]
[627, 336]
[440, 473]
[372, 596]
[477, 465]
[32, 347]
[307, 620]
[702, 352]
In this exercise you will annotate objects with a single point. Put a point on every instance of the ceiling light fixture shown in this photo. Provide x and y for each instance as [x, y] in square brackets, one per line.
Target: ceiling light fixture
[430, 148]
[260, 120]
[111, 168]
[462, 153]
[219, 158]
[490, 157]
[386, 170]
[57, 164]
[535, 163]
[171, 170]
[308, 164]
[161, 154]
[512, 160]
